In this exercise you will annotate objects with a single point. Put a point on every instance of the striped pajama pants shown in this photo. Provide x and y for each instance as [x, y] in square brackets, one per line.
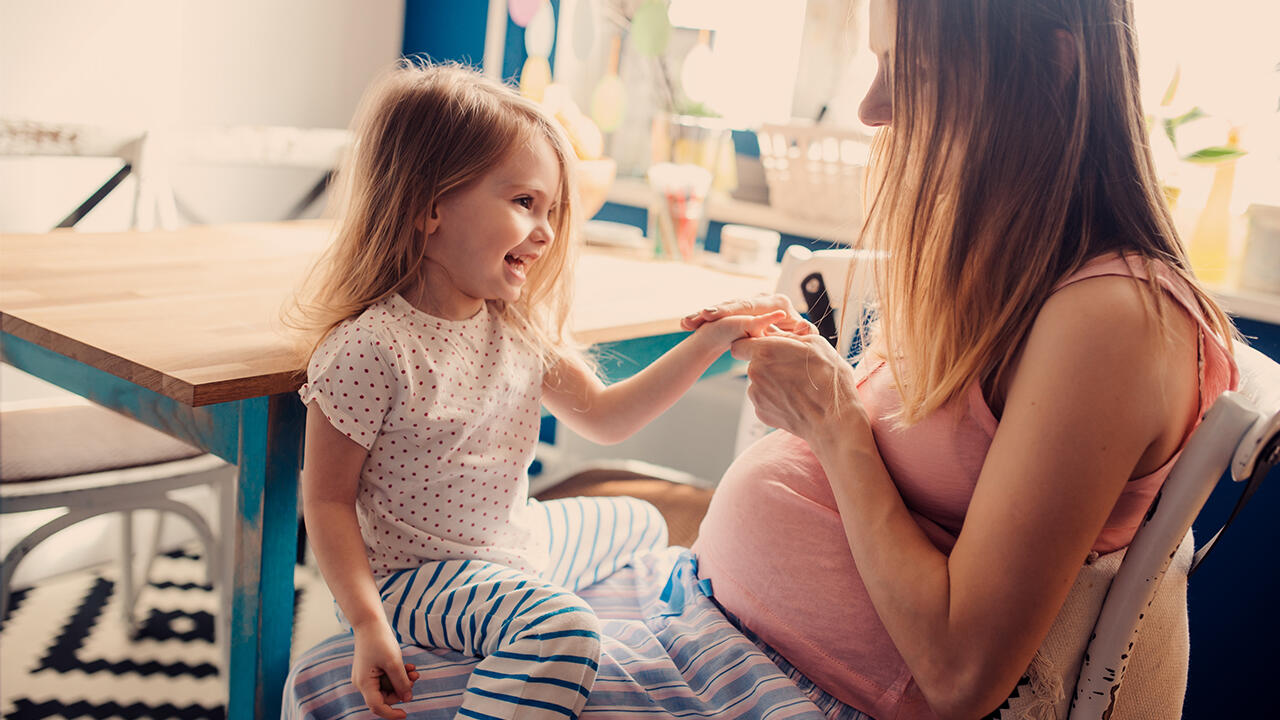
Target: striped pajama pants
[539, 641]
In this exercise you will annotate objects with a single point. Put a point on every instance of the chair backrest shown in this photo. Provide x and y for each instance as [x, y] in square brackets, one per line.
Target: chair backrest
[248, 146]
[1239, 434]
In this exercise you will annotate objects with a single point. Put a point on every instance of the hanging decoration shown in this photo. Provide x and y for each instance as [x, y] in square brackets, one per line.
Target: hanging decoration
[697, 76]
[540, 35]
[650, 28]
[522, 11]
[608, 102]
[535, 76]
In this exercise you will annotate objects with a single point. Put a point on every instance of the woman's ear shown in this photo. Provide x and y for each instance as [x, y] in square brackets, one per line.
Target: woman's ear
[429, 222]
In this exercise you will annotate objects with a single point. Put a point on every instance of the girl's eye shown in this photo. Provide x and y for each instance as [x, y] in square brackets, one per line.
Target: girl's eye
[525, 202]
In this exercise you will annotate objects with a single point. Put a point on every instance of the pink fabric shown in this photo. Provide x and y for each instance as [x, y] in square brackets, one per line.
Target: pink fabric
[805, 597]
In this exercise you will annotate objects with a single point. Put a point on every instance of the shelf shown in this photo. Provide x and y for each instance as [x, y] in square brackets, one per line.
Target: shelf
[1260, 306]
[634, 192]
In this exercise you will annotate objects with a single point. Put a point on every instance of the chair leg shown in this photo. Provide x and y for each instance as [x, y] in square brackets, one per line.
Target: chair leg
[6, 575]
[144, 579]
[127, 594]
[157, 539]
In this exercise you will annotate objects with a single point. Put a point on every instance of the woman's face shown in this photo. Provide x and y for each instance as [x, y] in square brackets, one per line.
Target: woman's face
[876, 109]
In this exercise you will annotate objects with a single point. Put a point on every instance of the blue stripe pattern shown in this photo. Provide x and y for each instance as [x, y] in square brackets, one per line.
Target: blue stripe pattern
[694, 664]
[539, 642]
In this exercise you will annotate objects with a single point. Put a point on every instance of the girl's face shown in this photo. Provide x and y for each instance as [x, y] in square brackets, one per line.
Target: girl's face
[483, 238]
[876, 109]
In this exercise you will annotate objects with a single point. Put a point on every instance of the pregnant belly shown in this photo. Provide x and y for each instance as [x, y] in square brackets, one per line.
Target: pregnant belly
[775, 551]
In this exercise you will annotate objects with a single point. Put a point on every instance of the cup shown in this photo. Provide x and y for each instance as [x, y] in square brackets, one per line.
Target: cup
[677, 208]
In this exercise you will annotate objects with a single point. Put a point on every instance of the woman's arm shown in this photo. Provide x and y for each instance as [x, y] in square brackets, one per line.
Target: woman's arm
[330, 478]
[611, 414]
[1100, 394]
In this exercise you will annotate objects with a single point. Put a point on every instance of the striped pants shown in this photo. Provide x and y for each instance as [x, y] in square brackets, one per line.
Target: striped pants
[540, 643]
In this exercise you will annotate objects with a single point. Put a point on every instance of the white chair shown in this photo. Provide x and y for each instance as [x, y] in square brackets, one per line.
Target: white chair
[90, 461]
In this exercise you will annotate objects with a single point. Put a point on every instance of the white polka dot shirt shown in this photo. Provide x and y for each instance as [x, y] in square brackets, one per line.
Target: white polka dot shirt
[449, 412]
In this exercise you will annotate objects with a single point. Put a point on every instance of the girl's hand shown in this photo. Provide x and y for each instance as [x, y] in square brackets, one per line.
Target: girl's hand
[379, 672]
[760, 305]
[729, 329]
[800, 384]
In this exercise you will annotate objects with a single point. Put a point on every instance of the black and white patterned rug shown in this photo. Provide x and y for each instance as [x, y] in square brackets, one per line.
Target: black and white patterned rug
[65, 652]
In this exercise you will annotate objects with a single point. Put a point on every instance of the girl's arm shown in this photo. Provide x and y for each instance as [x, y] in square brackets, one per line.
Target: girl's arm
[607, 415]
[1101, 393]
[330, 478]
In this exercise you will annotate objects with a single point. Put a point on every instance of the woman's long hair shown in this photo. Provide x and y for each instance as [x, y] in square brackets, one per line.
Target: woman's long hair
[1008, 166]
[422, 132]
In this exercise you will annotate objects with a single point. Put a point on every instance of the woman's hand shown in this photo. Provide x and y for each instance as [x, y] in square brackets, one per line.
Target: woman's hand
[791, 321]
[800, 384]
[379, 672]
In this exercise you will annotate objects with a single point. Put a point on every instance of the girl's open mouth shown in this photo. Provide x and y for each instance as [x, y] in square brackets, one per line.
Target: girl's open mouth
[519, 264]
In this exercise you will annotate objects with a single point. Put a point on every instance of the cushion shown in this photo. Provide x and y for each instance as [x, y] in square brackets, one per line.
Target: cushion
[52, 442]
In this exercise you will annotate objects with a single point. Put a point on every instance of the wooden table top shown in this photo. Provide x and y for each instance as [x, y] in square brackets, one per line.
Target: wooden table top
[194, 314]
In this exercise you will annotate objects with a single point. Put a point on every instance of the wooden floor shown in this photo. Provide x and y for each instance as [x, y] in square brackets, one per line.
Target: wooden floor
[682, 505]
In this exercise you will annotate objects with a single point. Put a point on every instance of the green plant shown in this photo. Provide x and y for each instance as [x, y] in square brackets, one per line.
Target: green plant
[1170, 124]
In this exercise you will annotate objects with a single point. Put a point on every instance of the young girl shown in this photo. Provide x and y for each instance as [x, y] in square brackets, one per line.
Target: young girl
[1042, 353]
[440, 311]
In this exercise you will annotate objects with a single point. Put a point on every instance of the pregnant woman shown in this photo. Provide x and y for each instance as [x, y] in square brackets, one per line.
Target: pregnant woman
[1042, 351]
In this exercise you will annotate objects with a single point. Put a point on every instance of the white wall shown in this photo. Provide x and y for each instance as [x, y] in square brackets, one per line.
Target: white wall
[181, 63]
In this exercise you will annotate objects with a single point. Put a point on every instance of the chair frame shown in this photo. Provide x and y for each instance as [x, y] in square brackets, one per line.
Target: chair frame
[124, 491]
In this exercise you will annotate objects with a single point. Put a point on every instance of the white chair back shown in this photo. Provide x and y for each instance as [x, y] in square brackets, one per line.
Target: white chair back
[1239, 433]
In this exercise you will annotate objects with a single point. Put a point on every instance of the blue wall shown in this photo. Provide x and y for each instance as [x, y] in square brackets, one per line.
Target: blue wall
[452, 30]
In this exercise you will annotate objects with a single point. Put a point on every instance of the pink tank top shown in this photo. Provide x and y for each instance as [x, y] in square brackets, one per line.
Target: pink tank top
[776, 553]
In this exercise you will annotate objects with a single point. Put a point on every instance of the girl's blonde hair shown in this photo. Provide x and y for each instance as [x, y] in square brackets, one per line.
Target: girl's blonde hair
[1007, 172]
[424, 131]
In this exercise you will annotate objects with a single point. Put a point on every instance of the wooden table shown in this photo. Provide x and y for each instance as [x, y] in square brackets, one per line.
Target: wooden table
[181, 330]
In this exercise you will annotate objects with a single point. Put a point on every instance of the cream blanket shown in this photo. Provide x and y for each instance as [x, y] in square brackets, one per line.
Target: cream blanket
[1156, 679]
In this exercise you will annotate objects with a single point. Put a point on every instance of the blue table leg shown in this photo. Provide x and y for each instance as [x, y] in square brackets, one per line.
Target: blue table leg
[266, 541]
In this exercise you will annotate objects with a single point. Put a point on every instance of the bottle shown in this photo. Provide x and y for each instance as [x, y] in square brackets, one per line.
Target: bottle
[1209, 246]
